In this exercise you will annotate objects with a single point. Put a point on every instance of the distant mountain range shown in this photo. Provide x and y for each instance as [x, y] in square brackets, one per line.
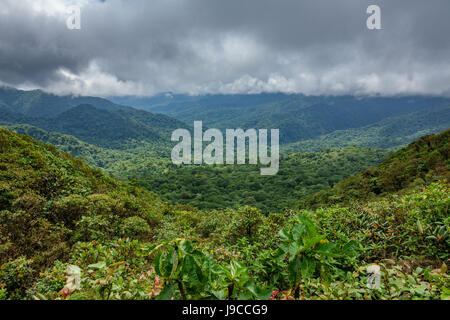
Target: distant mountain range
[306, 123]
[93, 120]
[301, 117]
[389, 133]
[37, 103]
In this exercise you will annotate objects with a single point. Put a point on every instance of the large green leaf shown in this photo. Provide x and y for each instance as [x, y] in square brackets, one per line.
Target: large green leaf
[294, 270]
[167, 292]
[310, 243]
[308, 266]
[258, 293]
[186, 246]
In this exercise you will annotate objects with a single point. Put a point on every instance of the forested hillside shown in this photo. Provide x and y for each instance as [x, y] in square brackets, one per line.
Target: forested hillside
[101, 123]
[390, 133]
[96, 156]
[37, 104]
[301, 117]
[70, 232]
[422, 162]
[214, 187]
[48, 199]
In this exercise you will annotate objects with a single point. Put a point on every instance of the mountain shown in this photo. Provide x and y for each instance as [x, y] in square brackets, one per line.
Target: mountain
[179, 103]
[390, 133]
[37, 103]
[49, 200]
[422, 162]
[101, 123]
[108, 129]
[298, 117]
[94, 155]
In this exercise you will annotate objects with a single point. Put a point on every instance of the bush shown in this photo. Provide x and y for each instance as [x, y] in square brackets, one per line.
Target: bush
[244, 223]
[95, 227]
[135, 228]
[16, 277]
[69, 209]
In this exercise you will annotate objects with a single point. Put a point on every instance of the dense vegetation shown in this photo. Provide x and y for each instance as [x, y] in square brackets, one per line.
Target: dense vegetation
[48, 199]
[70, 232]
[301, 117]
[214, 187]
[101, 123]
[424, 161]
[390, 133]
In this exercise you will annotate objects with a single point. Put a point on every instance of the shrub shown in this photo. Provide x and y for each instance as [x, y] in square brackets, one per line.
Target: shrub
[135, 228]
[16, 277]
[244, 223]
[69, 209]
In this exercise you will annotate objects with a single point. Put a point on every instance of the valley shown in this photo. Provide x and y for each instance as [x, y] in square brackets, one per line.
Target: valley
[99, 191]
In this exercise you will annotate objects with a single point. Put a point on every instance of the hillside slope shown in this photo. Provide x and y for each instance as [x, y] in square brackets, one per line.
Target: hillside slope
[49, 200]
[60, 219]
[122, 129]
[37, 103]
[298, 117]
[96, 156]
[393, 132]
[423, 161]
[94, 120]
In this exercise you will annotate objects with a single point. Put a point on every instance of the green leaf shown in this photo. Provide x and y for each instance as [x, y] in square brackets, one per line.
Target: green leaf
[349, 248]
[294, 270]
[308, 266]
[284, 234]
[310, 243]
[193, 270]
[174, 262]
[164, 262]
[328, 250]
[312, 230]
[258, 293]
[99, 265]
[220, 294]
[167, 292]
[186, 246]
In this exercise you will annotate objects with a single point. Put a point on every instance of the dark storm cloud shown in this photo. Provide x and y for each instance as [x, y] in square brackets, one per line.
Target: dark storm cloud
[197, 46]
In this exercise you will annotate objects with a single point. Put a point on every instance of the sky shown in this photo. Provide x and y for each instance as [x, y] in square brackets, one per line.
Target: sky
[144, 47]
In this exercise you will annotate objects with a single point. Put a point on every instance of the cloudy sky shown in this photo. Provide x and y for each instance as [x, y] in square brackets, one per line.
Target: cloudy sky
[142, 47]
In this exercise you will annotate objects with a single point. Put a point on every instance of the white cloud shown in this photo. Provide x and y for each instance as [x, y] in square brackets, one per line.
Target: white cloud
[200, 46]
[92, 81]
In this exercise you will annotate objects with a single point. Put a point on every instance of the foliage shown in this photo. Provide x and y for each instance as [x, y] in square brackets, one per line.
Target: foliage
[301, 117]
[58, 214]
[16, 277]
[51, 200]
[218, 187]
[391, 133]
[424, 161]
